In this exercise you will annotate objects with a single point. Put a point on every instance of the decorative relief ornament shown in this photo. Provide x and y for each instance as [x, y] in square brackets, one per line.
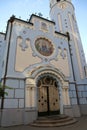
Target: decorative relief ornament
[62, 5]
[23, 46]
[63, 54]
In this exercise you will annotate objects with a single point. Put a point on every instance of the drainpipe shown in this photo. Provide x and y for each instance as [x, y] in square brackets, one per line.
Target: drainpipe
[7, 57]
[73, 68]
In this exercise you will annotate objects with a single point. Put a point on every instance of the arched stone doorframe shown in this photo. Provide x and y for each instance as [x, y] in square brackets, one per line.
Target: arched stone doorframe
[31, 93]
[59, 87]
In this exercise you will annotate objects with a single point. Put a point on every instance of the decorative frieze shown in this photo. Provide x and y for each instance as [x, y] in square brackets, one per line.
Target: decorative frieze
[22, 24]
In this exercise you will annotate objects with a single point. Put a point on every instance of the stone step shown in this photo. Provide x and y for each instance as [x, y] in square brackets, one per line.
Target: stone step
[53, 117]
[54, 121]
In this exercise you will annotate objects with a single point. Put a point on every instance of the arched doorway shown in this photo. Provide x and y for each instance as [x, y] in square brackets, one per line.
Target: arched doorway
[48, 96]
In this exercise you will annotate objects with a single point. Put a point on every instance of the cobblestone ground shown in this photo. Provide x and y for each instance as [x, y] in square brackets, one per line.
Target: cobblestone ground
[80, 125]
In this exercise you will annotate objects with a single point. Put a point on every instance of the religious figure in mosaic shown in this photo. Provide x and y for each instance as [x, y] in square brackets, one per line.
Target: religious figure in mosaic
[44, 46]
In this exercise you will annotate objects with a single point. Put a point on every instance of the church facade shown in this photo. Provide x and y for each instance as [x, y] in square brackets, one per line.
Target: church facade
[44, 63]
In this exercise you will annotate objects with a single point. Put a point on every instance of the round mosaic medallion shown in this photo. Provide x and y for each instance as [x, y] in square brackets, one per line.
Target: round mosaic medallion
[44, 47]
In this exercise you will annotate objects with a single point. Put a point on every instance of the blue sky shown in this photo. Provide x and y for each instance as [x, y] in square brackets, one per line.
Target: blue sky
[24, 8]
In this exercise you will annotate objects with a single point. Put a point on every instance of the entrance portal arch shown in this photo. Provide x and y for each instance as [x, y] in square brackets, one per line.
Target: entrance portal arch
[42, 83]
[48, 96]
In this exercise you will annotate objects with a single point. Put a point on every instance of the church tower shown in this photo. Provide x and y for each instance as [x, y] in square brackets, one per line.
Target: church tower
[63, 14]
[44, 64]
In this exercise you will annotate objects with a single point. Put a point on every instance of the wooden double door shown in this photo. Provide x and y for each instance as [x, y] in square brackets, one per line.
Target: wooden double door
[48, 96]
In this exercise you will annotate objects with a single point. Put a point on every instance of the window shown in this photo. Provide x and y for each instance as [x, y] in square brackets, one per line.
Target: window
[44, 26]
